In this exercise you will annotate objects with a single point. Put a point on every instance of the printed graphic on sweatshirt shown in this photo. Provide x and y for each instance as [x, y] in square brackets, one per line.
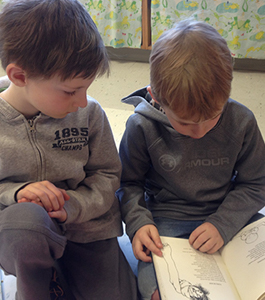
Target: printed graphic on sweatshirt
[207, 158]
[168, 162]
[71, 139]
[197, 158]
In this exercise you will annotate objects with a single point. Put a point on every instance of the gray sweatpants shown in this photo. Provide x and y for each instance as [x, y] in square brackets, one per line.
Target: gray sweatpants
[30, 244]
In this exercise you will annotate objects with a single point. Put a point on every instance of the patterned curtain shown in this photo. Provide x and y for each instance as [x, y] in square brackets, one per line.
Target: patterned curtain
[241, 23]
[119, 22]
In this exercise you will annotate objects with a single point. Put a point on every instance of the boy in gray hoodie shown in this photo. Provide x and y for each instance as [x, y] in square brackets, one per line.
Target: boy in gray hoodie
[59, 167]
[193, 159]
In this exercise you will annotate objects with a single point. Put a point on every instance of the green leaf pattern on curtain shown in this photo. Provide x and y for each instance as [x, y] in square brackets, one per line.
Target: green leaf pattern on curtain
[119, 22]
[241, 23]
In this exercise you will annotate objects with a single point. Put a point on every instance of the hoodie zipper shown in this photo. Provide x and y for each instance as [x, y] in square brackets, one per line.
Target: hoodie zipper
[32, 125]
[32, 129]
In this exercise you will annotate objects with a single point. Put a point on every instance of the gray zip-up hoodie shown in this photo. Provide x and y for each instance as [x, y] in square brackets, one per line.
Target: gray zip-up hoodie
[76, 153]
[219, 178]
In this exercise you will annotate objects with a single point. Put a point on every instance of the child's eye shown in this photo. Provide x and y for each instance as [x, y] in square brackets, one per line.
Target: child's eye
[70, 93]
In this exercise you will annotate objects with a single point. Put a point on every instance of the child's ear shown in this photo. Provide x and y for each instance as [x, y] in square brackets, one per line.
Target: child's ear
[149, 90]
[16, 75]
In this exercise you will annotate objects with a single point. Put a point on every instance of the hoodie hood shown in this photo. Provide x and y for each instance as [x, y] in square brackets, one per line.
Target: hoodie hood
[146, 106]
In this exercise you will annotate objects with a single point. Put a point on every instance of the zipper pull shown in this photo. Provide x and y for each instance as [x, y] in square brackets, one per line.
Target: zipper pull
[31, 124]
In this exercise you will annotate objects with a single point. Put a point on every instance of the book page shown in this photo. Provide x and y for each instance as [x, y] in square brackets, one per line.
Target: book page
[244, 257]
[183, 272]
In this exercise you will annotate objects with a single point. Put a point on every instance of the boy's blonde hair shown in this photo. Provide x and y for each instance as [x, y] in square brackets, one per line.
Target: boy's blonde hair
[51, 37]
[191, 71]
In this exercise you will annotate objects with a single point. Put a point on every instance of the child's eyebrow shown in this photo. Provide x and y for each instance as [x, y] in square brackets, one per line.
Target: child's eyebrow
[212, 117]
[182, 122]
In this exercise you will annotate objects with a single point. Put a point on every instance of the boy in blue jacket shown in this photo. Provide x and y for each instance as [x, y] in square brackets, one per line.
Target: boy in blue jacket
[193, 159]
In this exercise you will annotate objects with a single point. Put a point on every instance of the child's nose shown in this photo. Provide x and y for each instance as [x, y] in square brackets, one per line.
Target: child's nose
[199, 131]
[81, 101]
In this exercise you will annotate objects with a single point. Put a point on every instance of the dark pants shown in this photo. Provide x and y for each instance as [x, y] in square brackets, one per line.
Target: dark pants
[31, 243]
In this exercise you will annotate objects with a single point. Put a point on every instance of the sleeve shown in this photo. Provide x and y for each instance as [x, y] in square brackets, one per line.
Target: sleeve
[95, 195]
[135, 164]
[248, 194]
[8, 192]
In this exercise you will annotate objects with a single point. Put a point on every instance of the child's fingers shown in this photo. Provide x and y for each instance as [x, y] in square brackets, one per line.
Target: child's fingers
[153, 241]
[44, 195]
[55, 195]
[26, 194]
[50, 196]
[206, 238]
[141, 253]
[156, 237]
[38, 203]
[150, 245]
[60, 215]
[142, 249]
[211, 245]
[22, 200]
[65, 195]
[147, 238]
[195, 234]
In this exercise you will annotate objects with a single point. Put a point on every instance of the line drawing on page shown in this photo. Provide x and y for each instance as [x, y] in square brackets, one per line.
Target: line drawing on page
[251, 235]
[182, 286]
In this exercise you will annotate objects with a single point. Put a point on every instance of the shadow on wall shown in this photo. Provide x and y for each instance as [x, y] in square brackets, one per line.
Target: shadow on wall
[140, 55]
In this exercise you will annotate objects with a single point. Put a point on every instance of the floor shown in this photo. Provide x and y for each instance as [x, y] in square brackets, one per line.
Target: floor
[247, 88]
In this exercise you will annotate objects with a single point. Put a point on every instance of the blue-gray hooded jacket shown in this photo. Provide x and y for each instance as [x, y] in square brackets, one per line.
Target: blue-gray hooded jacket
[219, 178]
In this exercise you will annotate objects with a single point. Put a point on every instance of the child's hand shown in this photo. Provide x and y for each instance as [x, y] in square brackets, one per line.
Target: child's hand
[206, 238]
[146, 240]
[60, 215]
[45, 194]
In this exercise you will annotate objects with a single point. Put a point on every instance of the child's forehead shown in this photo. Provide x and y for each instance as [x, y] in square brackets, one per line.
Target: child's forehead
[189, 121]
[76, 83]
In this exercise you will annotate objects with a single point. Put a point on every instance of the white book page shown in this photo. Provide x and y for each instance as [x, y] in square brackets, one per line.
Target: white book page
[183, 271]
[244, 257]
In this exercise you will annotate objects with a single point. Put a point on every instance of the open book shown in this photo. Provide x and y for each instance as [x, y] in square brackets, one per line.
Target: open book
[235, 272]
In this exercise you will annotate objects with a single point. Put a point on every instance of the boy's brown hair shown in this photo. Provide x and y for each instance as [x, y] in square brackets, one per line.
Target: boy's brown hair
[48, 37]
[191, 71]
